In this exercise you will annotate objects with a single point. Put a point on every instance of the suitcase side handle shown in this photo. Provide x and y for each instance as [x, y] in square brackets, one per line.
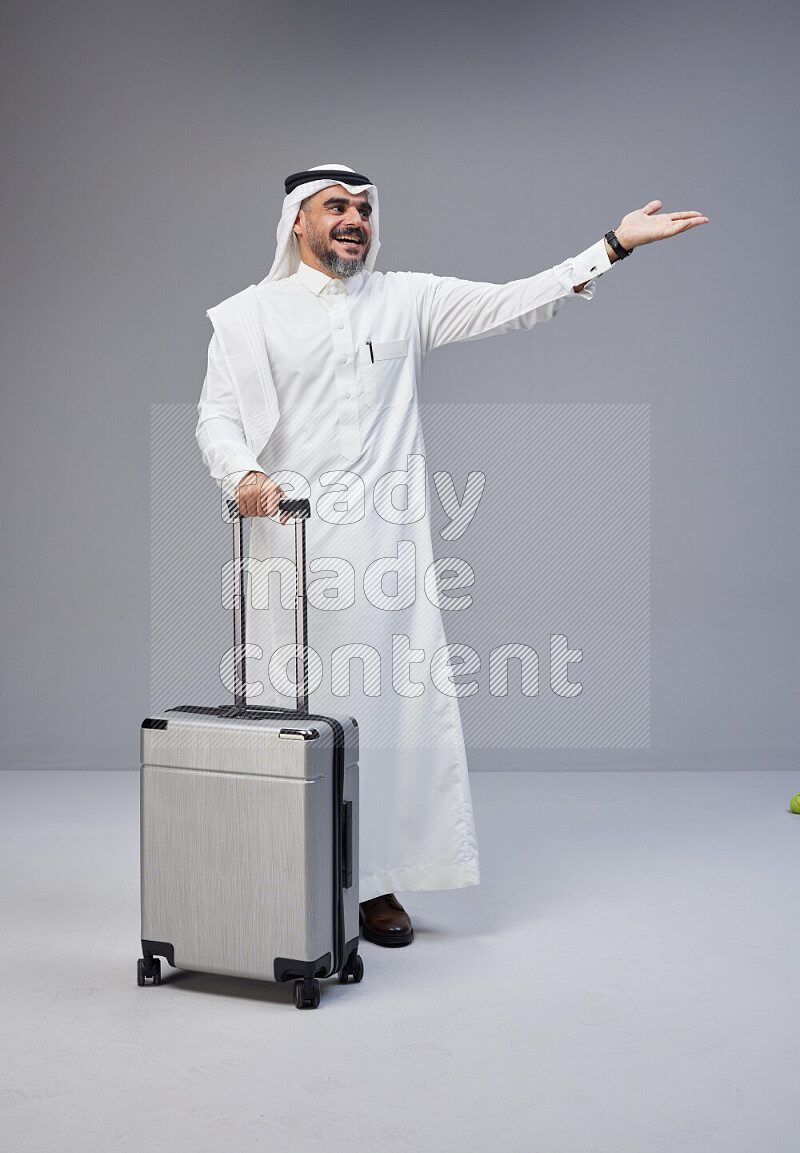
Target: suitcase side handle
[347, 845]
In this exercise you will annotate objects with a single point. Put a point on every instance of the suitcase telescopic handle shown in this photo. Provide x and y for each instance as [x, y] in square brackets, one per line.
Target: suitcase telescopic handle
[300, 509]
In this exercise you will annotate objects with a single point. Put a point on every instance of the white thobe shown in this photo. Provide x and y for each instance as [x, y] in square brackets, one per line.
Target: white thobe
[345, 357]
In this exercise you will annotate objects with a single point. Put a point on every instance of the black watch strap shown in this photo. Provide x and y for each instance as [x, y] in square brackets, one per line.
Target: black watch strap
[620, 252]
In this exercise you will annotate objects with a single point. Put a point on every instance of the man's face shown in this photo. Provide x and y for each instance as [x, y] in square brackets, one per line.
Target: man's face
[334, 231]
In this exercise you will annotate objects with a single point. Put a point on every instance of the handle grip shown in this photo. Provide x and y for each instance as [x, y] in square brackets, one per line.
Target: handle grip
[300, 508]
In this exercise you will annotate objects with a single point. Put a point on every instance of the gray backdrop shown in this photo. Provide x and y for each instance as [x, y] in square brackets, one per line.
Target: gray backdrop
[144, 148]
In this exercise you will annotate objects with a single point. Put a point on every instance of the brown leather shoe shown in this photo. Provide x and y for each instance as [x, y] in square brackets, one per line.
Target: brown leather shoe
[384, 921]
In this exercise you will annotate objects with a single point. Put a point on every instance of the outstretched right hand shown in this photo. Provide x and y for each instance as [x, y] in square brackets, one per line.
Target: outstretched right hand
[257, 495]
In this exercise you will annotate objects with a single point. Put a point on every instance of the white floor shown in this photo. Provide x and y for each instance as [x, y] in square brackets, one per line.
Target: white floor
[624, 980]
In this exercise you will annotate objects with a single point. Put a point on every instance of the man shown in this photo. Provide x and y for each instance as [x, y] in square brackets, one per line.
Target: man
[312, 391]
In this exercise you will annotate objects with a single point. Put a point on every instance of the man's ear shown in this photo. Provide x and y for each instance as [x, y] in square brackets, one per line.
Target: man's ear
[297, 231]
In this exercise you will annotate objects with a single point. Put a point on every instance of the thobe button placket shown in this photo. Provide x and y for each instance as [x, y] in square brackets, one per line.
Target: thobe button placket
[344, 373]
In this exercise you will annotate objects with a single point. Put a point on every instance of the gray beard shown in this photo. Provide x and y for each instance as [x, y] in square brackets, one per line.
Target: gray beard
[339, 266]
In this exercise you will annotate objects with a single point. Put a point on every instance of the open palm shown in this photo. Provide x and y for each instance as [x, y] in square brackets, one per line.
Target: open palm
[646, 224]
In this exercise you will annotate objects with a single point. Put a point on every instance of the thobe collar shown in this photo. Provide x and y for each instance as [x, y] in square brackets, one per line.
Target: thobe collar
[319, 282]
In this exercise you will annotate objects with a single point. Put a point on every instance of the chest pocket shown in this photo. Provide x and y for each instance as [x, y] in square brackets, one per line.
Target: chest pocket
[386, 375]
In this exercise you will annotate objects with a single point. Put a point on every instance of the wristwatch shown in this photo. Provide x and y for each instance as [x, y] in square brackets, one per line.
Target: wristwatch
[619, 251]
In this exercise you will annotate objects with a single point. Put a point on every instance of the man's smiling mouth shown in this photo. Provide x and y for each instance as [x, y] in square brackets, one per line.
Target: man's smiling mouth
[357, 240]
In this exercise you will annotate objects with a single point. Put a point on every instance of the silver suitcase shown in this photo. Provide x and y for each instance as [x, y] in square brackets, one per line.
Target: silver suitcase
[249, 828]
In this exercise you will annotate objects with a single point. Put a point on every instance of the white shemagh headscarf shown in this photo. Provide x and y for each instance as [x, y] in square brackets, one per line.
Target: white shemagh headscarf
[287, 252]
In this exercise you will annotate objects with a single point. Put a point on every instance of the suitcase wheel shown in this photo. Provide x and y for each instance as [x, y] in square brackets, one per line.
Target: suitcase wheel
[150, 968]
[306, 993]
[353, 967]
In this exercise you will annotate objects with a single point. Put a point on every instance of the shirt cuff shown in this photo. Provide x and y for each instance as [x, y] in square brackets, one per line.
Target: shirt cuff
[586, 267]
[591, 263]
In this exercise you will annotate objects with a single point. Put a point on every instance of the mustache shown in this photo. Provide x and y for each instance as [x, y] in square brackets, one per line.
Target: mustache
[349, 234]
